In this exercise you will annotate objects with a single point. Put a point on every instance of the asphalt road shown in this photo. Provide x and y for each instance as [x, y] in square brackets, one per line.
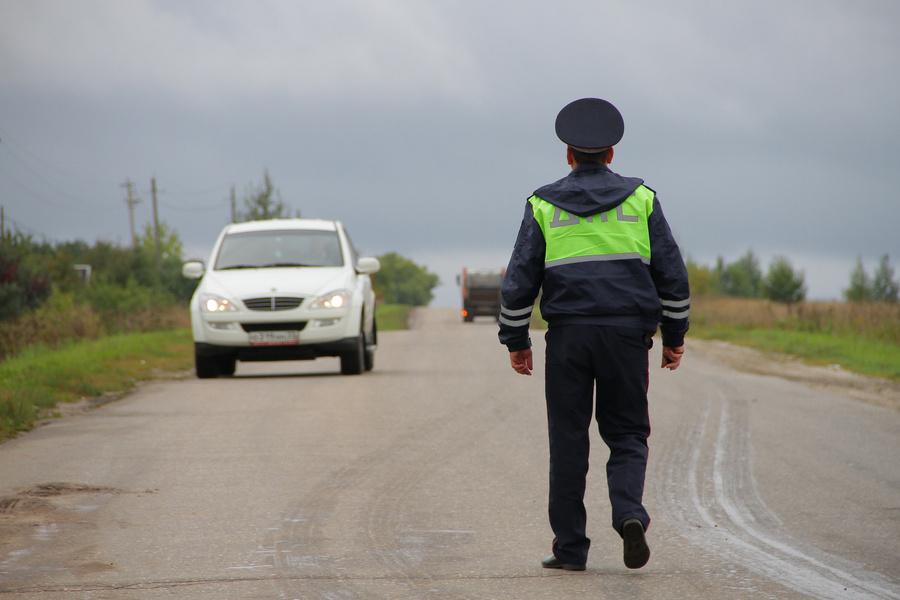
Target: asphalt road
[426, 478]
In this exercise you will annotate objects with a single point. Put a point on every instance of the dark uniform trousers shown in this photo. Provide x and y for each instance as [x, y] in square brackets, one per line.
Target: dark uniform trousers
[616, 360]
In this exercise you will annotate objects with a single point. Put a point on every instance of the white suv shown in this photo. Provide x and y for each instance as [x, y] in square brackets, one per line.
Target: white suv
[283, 289]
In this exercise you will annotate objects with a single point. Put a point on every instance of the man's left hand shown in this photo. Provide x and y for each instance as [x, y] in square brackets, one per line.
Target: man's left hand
[521, 361]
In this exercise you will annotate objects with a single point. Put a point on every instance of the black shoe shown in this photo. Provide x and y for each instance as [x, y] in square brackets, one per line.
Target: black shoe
[637, 552]
[551, 562]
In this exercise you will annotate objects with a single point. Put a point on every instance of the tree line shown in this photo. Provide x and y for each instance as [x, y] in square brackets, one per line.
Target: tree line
[744, 278]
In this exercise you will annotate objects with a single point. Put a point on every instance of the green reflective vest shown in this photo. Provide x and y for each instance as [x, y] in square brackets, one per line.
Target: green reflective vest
[620, 233]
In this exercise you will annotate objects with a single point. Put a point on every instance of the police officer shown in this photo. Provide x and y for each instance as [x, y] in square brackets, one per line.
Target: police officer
[599, 250]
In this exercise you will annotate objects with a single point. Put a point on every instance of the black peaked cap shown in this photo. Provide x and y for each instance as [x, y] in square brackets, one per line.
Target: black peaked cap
[590, 125]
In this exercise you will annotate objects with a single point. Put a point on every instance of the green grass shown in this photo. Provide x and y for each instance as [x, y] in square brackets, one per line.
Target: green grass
[33, 383]
[855, 353]
[860, 337]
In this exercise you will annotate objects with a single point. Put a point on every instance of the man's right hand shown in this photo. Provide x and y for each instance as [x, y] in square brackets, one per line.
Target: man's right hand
[671, 357]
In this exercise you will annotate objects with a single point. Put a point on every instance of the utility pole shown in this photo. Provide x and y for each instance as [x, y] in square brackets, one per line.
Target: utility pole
[232, 204]
[156, 225]
[131, 201]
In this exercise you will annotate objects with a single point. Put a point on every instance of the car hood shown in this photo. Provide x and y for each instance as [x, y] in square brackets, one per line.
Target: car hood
[288, 281]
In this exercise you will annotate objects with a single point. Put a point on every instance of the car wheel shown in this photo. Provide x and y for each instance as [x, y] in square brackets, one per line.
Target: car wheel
[226, 364]
[352, 363]
[369, 357]
[206, 367]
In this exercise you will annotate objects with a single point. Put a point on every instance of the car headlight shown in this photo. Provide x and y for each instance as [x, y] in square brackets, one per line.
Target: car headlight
[213, 303]
[337, 299]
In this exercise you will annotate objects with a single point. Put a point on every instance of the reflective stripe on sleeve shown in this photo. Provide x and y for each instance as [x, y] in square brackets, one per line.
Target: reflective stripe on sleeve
[517, 312]
[515, 322]
[678, 309]
[519, 317]
[675, 303]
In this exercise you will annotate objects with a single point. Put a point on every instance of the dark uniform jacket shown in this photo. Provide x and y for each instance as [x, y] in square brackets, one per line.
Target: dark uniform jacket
[625, 289]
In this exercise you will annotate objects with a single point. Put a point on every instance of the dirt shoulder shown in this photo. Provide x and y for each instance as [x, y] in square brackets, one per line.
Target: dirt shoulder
[882, 392]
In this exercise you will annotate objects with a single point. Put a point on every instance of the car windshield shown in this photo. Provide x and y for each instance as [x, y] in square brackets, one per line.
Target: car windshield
[288, 248]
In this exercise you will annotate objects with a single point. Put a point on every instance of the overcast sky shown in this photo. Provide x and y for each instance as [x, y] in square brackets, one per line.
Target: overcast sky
[423, 125]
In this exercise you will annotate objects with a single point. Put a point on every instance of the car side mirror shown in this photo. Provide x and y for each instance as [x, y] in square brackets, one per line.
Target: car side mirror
[368, 265]
[193, 270]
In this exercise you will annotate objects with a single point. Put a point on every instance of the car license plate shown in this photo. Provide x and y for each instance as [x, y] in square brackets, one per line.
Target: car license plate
[274, 338]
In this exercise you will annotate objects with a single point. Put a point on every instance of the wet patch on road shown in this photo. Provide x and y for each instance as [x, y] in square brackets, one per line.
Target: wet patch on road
[32, 519]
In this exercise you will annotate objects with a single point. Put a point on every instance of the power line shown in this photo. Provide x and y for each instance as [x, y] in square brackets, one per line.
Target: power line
[10, 224]
[203, 192]
[6, 141]
[7, 145]
[182, 207]
[80, 204]
[61, 197]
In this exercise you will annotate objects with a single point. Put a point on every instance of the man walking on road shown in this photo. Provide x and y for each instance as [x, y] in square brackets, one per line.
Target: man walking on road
[599, 248]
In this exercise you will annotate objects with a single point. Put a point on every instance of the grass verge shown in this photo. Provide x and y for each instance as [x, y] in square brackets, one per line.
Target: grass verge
[858, 354]
[860, 337]
[33, 383]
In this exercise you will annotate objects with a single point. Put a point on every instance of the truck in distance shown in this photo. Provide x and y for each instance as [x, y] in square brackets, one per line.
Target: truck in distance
[480, 292]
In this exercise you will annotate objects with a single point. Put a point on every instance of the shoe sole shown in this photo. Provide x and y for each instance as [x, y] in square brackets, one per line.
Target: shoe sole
[637, 552]
[567, 567]
[564, 566]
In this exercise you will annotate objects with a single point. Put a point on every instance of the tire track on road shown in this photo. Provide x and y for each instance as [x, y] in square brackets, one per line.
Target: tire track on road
[710, 496]
[369, 493]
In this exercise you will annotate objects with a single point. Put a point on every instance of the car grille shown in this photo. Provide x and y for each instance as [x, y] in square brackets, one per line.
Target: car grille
[296, 326]
[273, 303]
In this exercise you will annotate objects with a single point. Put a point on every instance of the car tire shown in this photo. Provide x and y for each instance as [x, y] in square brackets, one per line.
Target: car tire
[369, 357]
[226, 364]
[206, 367]
[352, 363]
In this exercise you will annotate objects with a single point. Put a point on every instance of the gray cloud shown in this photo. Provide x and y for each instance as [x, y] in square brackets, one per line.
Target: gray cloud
[425, 125]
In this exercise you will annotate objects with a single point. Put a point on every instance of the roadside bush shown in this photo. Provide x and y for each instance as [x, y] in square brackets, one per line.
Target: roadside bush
[58, 320]
[21, 285]
[401, 281]
[92, 313]
[109, 299]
